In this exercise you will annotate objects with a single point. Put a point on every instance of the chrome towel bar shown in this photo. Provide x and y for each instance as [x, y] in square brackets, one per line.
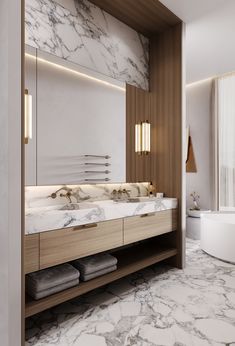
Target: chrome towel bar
[105, 179]
[97, 164]
[104, 172]
[100, 156]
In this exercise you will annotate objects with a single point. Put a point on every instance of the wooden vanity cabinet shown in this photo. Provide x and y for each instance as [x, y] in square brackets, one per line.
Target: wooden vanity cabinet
[145, 226]
[47, 249]
[68, 244]
[31, 251]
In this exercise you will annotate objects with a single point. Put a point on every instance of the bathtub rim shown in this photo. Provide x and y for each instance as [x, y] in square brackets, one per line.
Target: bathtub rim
[209, 217]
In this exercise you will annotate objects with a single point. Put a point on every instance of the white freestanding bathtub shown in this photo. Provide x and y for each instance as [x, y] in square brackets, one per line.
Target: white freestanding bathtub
[218, 235]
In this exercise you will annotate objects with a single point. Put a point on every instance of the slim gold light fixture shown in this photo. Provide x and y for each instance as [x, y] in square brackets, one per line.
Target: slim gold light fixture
[146, 137]
[28, 131]
[142, 138]
[138, 138]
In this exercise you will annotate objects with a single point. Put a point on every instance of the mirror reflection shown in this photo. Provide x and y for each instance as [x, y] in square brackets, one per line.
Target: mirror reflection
[77, 125]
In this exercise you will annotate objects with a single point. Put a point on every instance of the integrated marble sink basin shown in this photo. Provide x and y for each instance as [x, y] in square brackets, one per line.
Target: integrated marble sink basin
[74, 214]
[77, 206]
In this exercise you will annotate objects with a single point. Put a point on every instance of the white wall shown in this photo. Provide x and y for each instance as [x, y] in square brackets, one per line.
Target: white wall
[210, 48]
[210, 28]
[189, 10]
[10, 173]
[198, 108]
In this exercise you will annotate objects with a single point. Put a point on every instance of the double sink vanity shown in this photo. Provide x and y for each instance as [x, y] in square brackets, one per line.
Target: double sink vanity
[62, 233]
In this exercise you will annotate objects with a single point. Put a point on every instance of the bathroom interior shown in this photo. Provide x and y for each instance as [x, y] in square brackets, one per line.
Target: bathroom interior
[128, 175]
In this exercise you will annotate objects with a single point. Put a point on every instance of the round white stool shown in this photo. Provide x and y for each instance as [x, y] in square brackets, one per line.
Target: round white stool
[193, 224]
[193, 227]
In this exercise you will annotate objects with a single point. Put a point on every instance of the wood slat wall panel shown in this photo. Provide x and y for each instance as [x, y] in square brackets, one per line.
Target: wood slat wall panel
[166, 108]
[162, 106]
[142, 113]
[145, 16]
[166, 114]
[138, 109]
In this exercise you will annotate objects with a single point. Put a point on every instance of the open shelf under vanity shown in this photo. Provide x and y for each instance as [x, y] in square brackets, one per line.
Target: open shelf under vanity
[130, 260]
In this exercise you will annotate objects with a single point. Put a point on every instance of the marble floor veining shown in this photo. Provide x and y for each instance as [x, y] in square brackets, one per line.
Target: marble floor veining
[157, 306]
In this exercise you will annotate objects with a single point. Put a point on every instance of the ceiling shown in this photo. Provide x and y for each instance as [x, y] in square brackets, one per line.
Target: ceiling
[210, 27]
[189, 10]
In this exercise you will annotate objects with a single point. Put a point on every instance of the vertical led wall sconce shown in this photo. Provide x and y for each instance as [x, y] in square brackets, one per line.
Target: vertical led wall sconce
[142, 138]
[28, 114]
[138, 138]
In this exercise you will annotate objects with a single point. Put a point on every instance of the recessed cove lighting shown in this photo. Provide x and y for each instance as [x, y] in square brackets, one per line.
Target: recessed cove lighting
[80, 74]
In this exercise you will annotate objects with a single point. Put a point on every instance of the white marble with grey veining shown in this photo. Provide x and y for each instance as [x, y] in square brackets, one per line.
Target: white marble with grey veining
[89, 203]
[81, 32]
[156, 306]
[39, 196]
[74, 214]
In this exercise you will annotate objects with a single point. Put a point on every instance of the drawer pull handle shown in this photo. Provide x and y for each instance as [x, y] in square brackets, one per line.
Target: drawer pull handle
[90, 225]
[148, 214]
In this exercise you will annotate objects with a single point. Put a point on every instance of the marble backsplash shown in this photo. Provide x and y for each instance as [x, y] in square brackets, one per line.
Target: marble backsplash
[39, 196]
[81, 32]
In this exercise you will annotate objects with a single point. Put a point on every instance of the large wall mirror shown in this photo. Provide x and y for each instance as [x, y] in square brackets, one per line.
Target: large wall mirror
[78, 123]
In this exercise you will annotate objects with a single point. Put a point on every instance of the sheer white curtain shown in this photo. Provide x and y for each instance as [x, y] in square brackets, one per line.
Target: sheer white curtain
[226, 140]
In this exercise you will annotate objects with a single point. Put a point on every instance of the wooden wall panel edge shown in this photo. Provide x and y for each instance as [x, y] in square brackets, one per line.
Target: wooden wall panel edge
[22, 172]
[183, 184]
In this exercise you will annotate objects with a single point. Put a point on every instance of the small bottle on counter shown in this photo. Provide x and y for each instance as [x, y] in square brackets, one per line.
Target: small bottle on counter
[151, 190]
[160, 195]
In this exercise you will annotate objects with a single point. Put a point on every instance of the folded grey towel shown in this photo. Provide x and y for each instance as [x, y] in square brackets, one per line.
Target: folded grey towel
[92, 264]
[101, 272]
[49, 291]
[51, 277]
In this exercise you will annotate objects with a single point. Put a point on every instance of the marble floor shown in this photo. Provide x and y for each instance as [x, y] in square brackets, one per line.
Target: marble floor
[157, 306]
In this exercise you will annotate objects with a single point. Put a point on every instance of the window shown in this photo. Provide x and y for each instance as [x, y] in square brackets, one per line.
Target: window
[226, 141]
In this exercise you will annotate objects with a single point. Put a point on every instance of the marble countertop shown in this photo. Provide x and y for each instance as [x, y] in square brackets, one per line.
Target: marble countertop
[69, 215]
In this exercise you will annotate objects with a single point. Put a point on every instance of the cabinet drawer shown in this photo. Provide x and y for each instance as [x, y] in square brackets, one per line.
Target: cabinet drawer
[68, 244]
[149, 225]
[31, 253]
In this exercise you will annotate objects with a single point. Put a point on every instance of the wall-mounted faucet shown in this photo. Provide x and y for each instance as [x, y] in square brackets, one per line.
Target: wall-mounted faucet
[120, 195]
[67, 194]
